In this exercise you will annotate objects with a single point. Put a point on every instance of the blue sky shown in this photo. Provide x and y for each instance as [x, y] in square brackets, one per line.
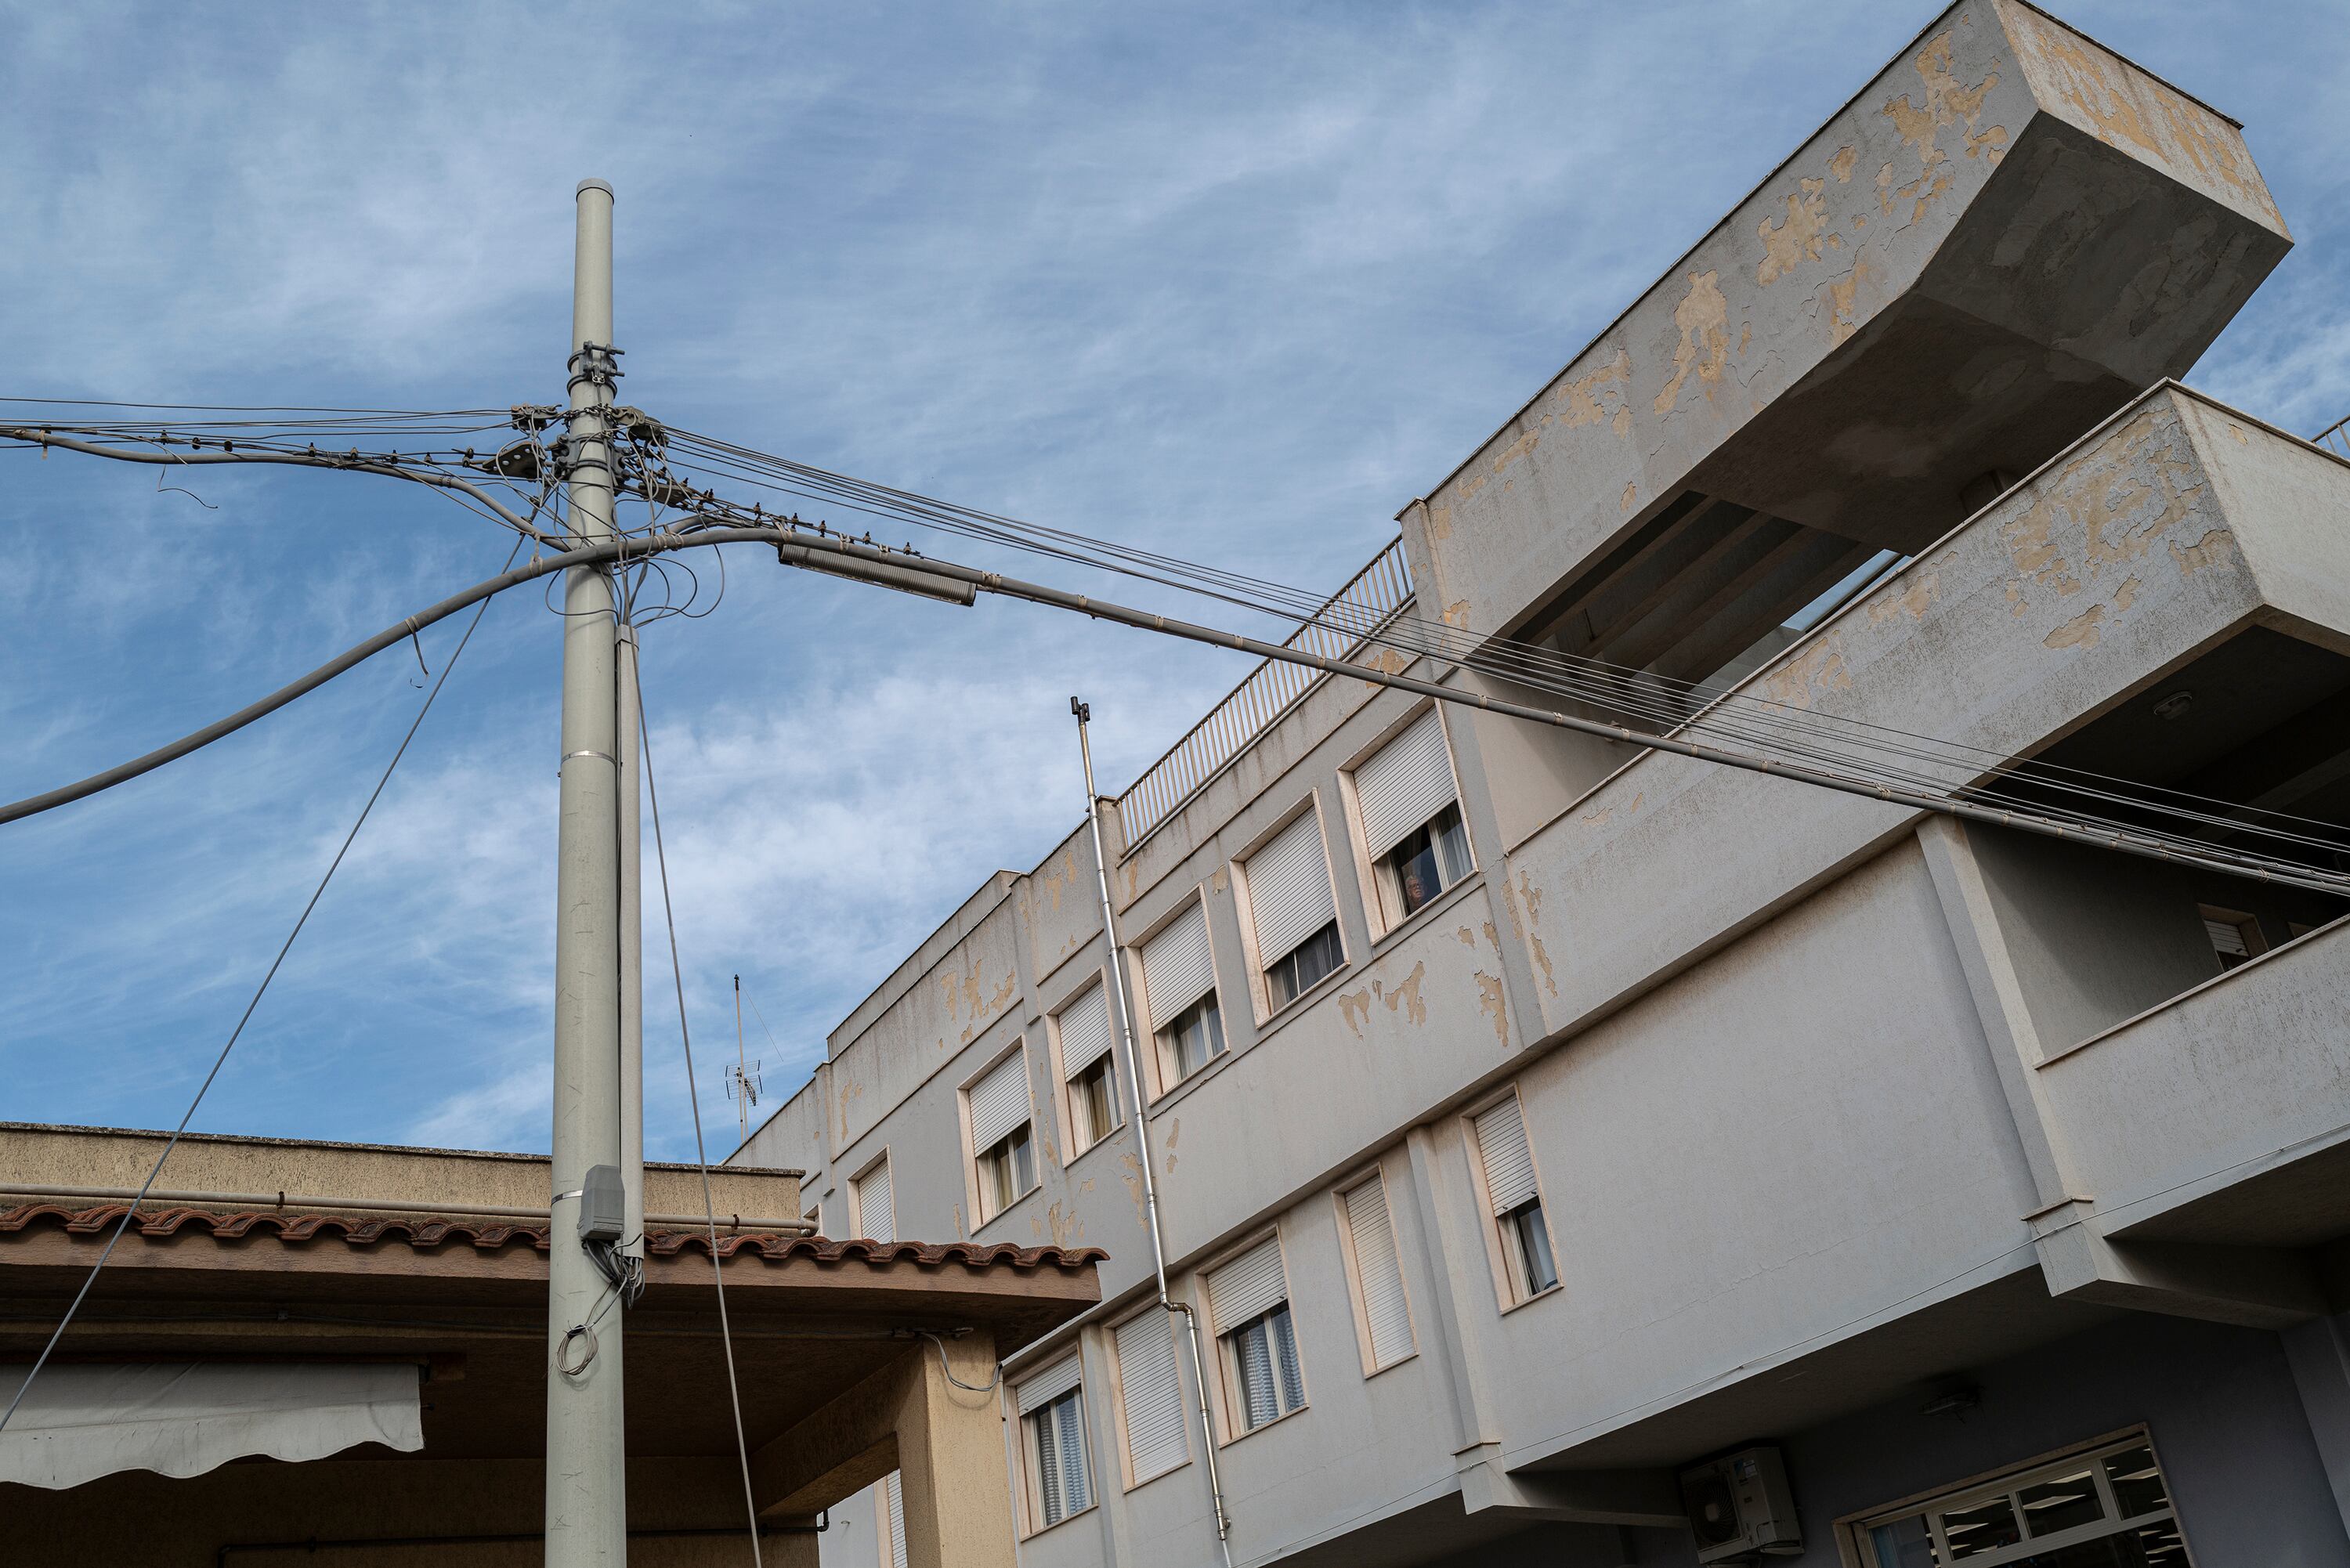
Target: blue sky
[1236, 281]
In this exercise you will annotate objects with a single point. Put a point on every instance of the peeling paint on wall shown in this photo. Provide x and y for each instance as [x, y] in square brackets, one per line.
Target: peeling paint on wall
[1843, 318]
[1534, 898]
[1817, 669]
[1488, 1003]
[2080, 632]
[1355, 1007]
[1916, 595]
[2124, 107]
[1703, 317]
[1947, 105]
[1407, 995]
[1131, 1172]
[2213, 549]
[1795, 238]
[1599, 398]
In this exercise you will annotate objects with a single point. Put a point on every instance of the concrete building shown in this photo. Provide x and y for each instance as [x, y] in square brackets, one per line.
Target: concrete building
[1538, 1120]
[375, 1318]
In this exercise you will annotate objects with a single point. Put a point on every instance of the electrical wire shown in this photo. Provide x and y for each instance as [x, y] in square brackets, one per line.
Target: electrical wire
[693, 1098]
[246, 1017]
[1854, 746]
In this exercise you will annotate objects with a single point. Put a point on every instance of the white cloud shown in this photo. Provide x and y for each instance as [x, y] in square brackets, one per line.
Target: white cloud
[1235, 282]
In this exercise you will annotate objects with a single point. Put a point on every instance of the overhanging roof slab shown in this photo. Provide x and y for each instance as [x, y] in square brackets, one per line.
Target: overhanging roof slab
[2006, 236]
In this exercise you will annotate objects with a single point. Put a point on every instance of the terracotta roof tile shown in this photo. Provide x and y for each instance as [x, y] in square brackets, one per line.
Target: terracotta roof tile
[424, 1233]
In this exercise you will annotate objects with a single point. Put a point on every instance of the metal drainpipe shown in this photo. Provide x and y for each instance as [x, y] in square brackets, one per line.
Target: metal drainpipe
[1142, 1141]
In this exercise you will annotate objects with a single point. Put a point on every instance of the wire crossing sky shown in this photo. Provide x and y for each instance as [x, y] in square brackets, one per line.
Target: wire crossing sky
[1210, 282]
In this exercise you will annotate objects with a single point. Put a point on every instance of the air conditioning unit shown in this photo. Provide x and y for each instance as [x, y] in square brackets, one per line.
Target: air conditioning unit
[1740, 1507]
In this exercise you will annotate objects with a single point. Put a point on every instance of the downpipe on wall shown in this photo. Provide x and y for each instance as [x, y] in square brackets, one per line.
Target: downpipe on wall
[1142, 1140]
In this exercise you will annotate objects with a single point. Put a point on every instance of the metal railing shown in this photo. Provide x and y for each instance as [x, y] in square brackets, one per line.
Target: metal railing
[1346, 618]
[2334, 438]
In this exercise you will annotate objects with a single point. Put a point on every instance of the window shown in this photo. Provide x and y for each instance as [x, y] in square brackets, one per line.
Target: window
[2235, 937]
[1178, 979]
[873, 1215]
[1411, 819]
[1385, 1315]
[1516, 1199]
[1006, 1159]
[2104, 1509]
[891, 1496]
[1250, 1298]
[1052, 1441]
[1090, 1070]
[1296, 918]
[1150, 1396]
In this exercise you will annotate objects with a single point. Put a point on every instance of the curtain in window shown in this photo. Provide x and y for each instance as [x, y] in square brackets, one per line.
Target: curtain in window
[1061, 1457]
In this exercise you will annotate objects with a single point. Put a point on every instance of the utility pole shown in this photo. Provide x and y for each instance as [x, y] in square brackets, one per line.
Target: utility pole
[587, 1504]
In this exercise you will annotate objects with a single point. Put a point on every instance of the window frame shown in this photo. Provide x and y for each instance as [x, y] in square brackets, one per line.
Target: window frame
[889, 1517]
[1261, 996]
[1367, 860]
[1164, 1080]
[1852, 1530]
[1358, 1298]
[1230, 1396]
[2247, 928]
[975, 1159]
[1512, 1286]
[1032, 1521]
[1064, 1095]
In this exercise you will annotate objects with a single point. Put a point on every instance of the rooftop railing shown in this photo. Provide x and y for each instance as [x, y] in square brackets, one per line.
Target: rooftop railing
[1343, 623]
[2336, 438]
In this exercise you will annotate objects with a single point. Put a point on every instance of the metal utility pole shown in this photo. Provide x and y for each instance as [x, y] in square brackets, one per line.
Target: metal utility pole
[632, 939]
[587, 1511]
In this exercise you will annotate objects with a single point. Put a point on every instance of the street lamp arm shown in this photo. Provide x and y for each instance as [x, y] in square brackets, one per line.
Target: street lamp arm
[37, 437]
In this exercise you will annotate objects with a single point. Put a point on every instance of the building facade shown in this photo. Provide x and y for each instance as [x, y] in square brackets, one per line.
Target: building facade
[1543, 1125]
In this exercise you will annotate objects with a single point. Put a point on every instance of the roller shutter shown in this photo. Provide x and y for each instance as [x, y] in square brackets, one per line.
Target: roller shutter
[1409, 781]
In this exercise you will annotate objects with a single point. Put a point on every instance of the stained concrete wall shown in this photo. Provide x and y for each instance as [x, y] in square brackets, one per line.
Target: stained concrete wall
[2219, 1403]
[1768, 1119]
[1779, 1058]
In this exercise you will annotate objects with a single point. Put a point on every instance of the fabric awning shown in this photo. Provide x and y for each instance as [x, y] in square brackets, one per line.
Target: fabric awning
[81, 1421]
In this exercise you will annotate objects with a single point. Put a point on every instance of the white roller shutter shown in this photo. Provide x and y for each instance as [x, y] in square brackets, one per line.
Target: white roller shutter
[1050, 1385]
[1508, 1163]
[1387, 1317]
[1151, 1394]
[877, 1217]
[1248, 1286]
[1085, 1032]
[1289, 888]
[999, 1102]
[893, 1498]
[1176, 968]
[1409, 781]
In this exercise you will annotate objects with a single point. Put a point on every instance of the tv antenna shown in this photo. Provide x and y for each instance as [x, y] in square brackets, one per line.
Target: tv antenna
[742, 1078]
